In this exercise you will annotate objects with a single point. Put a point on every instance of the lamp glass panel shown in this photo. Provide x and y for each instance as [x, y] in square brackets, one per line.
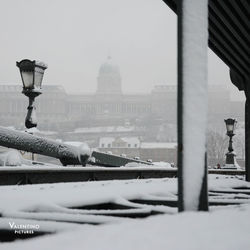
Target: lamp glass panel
[38, 77]
[230, 127]
[27, 78]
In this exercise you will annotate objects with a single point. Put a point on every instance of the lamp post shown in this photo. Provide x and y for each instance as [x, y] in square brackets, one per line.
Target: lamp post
[32, 76]
[230, 155]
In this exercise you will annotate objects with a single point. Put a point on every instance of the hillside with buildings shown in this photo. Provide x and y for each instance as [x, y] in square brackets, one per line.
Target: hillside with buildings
[110, 113]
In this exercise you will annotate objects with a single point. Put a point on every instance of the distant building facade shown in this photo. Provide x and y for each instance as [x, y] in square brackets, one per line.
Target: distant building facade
[109, 113]
[119, 142]
[133, 147]
[52, 107]
[157, 110]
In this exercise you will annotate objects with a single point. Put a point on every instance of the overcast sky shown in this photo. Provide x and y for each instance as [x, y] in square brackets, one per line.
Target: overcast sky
[74, 37]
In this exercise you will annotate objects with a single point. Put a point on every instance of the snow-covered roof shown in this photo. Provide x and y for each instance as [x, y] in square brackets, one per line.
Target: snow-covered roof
[128, 140]
[136, 140]
[107, 129]
[158, 145]
[131, 140]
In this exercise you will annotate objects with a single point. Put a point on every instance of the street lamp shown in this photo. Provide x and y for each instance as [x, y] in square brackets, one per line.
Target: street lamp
[230, 155]
[32, 76]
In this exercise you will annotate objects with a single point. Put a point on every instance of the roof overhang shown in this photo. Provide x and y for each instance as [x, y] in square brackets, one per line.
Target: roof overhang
[229, 36]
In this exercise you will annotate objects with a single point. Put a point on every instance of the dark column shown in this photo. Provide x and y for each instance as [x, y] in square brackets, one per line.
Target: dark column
[203, 199]
[247, 133]
[243, 83]
[180, 110]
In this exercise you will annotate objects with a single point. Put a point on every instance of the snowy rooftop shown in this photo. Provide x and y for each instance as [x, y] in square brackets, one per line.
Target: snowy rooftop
[108, 129]
[131, 141]
[158, 145]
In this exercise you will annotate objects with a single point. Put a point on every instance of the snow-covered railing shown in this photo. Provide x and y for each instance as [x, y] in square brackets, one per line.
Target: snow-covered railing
[67, 154]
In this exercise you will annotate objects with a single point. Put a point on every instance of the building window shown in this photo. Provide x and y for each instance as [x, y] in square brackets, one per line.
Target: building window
[129, 145]
[109, 145]
[135, 145]
[103, 145]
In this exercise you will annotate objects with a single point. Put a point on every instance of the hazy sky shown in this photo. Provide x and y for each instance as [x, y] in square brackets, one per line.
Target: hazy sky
[74, 37]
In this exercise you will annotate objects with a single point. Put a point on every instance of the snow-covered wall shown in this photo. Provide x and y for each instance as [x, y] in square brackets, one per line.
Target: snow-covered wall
[195, 40]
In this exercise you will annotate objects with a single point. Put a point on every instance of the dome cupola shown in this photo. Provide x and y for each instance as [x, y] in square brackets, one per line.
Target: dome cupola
[109, 78]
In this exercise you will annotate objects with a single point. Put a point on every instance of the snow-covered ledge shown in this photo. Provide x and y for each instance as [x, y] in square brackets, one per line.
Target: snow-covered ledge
[192, 73]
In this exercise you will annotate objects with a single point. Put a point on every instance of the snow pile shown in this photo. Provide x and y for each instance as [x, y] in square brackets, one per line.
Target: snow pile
[83, 148]
[189, 230]
[153, 164]
[33, 130]
[235, 165]
[224, 228]
[135, 164]
[163, 164]
[79, 194]
[72, 143]
[11, 158]
[84, 151]
[41, 64]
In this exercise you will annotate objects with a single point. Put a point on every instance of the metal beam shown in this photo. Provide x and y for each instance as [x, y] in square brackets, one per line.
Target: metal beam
[43, 174]
[110, 160]
[234, 61]
[219, 30]
[232, 14]
[67, 154]
[22, 176]
[228, 21]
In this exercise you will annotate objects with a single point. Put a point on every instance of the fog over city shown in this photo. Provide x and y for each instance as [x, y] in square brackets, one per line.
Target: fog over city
[120, 128]
[75, 37]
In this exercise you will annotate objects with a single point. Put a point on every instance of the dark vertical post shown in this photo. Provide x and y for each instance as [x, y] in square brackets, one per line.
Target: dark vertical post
[247, 133]
[180, 108]
[244, 83]
[30, 120]
[203, 199]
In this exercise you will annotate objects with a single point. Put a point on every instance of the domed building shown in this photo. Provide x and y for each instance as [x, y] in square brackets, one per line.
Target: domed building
[109, 78]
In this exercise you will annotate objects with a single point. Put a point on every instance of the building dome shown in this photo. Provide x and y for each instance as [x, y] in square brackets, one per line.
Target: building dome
[109, 78]
[109, 67]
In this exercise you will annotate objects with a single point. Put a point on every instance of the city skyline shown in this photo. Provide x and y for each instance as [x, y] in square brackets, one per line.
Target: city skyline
[77, 38]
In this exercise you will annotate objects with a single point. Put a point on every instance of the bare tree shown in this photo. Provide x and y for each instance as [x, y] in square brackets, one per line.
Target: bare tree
[216, 147]
[239, 141]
